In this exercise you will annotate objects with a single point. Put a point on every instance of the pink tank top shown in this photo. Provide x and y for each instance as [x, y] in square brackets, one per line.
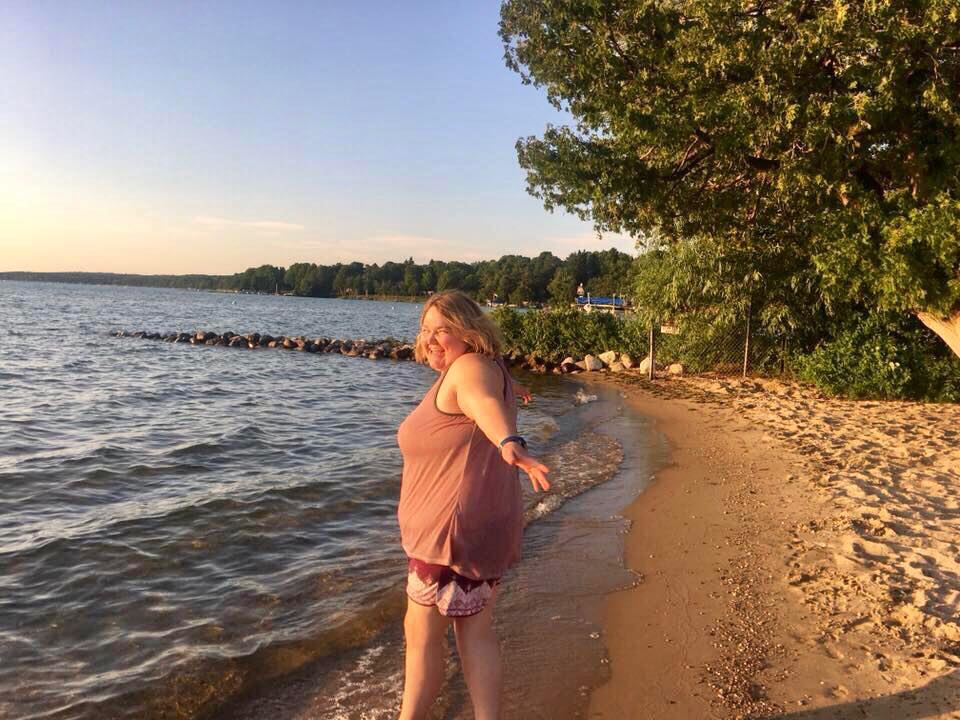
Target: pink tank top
[460, 503]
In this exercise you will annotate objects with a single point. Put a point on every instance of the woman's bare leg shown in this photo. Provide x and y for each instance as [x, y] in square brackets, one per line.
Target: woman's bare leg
[426, 632]
[480, 656]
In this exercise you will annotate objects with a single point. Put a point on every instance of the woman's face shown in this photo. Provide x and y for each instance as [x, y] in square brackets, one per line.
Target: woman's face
[440, 341]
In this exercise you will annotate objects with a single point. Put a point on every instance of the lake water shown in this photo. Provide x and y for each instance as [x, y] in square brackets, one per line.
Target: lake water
[193, 532]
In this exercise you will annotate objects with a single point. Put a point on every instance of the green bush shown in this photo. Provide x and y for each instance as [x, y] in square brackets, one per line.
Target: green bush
[883, 356]
[556, 333]
[879, 356]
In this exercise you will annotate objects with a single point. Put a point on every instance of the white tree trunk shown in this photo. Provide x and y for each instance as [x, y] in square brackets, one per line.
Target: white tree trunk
[947, 328]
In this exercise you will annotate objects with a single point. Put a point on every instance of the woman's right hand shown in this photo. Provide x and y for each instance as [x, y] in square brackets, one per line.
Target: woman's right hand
[515, 454]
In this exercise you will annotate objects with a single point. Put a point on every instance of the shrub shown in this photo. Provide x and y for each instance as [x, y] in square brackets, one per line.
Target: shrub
[883, 356]
[555, 333]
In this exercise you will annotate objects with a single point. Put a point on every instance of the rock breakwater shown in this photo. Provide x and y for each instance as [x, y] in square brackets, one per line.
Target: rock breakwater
[388, 348]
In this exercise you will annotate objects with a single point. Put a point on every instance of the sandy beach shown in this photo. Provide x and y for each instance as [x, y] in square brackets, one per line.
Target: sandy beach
[800, 556]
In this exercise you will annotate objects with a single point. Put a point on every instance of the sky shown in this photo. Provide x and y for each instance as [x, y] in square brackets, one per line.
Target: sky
[208, 137]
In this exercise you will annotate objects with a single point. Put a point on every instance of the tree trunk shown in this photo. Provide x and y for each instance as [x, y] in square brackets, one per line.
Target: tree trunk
[947, 328]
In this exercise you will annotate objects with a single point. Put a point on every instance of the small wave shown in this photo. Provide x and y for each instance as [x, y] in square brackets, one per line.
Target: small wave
[582, 398]
[542, 429]
[106, 452]
[196, 449]
[205, 685]
[121, 477]
[576, 466]
[95, 504]
[249, 438]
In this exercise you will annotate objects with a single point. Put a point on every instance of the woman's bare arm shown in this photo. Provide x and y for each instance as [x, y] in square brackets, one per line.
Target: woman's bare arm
[478, 384]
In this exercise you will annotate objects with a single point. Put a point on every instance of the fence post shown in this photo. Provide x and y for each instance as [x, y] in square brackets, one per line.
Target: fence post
[746, 343]
[652, 355]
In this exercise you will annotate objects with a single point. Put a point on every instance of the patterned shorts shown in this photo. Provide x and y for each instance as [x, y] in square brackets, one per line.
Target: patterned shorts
[452, 594]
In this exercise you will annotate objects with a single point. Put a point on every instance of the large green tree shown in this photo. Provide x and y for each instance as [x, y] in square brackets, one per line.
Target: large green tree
[824, 130]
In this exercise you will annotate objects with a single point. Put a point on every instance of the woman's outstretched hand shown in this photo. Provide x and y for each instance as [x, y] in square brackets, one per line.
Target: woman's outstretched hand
[515, 454]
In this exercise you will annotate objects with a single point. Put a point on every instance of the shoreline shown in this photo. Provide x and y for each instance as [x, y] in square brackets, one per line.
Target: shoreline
[796, 565]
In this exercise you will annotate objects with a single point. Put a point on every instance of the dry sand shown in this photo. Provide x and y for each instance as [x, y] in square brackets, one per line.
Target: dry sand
[801, 558]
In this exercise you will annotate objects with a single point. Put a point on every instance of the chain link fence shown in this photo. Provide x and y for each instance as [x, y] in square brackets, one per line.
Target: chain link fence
[721, 341]
[718, 343]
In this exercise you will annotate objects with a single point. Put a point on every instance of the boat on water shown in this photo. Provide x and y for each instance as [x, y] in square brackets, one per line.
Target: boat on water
[613, 304]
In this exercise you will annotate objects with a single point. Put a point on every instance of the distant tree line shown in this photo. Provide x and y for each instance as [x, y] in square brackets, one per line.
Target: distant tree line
[513, 278]
[189, 282]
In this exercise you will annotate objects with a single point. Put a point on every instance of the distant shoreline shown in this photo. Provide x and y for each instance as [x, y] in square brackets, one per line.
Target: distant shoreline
[56, 278]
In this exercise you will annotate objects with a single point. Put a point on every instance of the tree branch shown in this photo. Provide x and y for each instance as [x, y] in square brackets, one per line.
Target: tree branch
[682, 171]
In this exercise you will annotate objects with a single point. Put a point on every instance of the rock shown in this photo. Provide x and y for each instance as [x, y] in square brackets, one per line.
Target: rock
[591, 363]
[617, 367]
[567, 361]
[675, 369]
[627, 361]
[569, 367]
[645, 365]
[289, 343]
[536, 363]
[608, 358]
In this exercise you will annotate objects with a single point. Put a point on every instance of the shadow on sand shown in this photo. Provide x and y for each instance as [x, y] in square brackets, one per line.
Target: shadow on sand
[936, 698]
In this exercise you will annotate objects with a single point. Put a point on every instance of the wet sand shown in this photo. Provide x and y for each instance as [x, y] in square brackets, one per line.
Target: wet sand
[800, 557]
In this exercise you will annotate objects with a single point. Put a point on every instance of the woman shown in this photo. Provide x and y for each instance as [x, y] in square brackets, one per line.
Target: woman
[460, 513]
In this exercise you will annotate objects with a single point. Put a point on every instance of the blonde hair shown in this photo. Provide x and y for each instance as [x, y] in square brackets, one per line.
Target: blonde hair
[467, 321]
